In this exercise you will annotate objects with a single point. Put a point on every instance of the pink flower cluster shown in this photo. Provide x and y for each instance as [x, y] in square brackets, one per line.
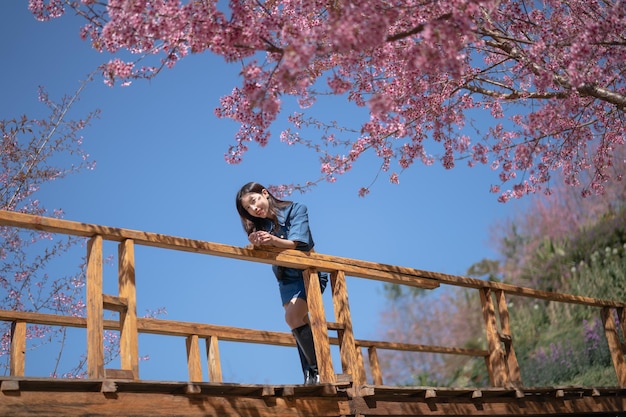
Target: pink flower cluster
[527, 88]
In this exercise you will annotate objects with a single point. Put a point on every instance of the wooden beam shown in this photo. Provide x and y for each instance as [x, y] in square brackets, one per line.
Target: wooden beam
[226, 333]
[291, 258]
[188, 402]
[377, 375]
[129, 338]
[194, 364]
[318, 325]
[213, 359]
[18, 348]
[347, 348]
[114, 303]
[512, 366]
[615, 346]
[28, 397]
[95, 325]
[411, 347]
[495, 359]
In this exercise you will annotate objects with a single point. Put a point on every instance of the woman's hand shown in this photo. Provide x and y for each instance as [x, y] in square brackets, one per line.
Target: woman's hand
[261, 237]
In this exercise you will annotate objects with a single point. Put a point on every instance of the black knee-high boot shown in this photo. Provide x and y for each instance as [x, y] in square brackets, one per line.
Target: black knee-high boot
[306, 349]
[306, 368]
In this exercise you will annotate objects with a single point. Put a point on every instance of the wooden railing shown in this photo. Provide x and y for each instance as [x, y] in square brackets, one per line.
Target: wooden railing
[499, 354]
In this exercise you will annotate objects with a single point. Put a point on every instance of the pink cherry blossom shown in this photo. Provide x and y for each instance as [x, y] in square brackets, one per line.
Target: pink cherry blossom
[530, 88]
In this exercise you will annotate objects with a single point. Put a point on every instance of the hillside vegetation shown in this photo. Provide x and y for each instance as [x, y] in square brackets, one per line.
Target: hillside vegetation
[561, 243]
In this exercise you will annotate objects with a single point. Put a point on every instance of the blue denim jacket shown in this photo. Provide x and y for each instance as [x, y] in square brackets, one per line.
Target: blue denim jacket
[293, 223]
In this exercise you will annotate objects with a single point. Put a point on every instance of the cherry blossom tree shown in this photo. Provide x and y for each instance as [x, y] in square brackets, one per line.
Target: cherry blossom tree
[553, 234]
[35, 151]
[525, 87]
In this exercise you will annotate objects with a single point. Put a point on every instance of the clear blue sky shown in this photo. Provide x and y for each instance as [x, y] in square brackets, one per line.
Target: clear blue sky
[160, 168]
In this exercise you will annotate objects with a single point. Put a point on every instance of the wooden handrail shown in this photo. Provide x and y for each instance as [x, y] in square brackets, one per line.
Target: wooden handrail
[499, 355]
[223, 333]
[291, 258]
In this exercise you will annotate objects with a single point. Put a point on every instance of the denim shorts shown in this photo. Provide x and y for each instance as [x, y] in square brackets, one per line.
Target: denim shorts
[294, 288]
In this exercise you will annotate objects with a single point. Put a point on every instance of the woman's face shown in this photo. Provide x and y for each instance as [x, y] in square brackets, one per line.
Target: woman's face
[256, 204]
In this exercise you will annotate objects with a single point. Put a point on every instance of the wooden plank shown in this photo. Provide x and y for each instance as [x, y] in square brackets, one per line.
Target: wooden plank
[621, 315]
[9, 386]
[359, 355]
[129, 338]
[289, 258]
[512, 366]
[95, 329]
[74, 398]
[495, 359]
[319, 326]
[43, 318]
[411, 347]
[615, 346]
[377, 375]
[161, 327]
[466, 282]
[185, 404]
[194, 364]
[562, 407]
[17, 359]
[347, 348]
[114, 303]
[213, 359]
[119, 374]
[231, 334]
[226, 333]
[292, 258]
[108, 387]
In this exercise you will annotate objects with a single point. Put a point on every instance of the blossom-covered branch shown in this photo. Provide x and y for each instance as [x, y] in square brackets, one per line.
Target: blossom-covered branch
[549, 73]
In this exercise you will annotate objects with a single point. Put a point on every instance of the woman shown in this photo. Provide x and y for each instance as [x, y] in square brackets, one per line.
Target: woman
[269, 221]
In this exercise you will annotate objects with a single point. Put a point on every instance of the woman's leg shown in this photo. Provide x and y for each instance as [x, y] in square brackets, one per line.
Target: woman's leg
[296, 313]
[297, 317]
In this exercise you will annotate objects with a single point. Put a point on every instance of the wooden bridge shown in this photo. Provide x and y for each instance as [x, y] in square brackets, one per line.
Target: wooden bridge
[121, 392]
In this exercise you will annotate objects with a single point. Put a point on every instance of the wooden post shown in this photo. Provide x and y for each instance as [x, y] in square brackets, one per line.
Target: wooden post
[615, 346]
[95, 330]
[193, 358]
[377, 376]
[129, 345]
[621, 315]
[513, 369]
[495, 360]
[350, 362]
[213, 359]
[18, 348]
[319, 326]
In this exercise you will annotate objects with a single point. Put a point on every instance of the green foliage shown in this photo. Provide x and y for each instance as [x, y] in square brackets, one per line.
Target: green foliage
[567, 356]
[590, 262]
[564, 344]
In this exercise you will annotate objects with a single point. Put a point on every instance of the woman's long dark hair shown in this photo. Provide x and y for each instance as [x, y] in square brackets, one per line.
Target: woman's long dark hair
[249, 222]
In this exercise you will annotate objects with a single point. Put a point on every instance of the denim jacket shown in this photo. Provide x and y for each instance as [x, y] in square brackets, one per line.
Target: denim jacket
[293, 222]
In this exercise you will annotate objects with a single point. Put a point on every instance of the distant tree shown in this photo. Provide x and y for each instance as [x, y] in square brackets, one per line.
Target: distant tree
[445, 317]
[567, 244]
[36, 151]
[561, 242]
[527, 87]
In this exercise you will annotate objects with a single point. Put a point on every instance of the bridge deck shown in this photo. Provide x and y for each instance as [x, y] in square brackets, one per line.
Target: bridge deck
[29, 397]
